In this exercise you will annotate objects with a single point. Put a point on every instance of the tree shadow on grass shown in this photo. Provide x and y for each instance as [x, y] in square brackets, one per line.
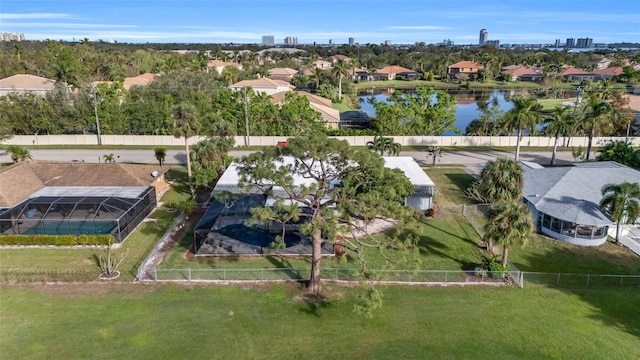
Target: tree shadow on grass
[461, 181]
[614, 305]
[314, 304]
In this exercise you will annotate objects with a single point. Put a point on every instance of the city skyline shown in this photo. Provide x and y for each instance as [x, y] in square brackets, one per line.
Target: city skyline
[410, 21]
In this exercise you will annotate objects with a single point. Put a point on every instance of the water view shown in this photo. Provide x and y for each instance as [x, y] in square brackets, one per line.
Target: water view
[467, 108]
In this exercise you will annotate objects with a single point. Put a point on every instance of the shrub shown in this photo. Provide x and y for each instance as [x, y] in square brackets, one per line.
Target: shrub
[56, 240]
[496, 270]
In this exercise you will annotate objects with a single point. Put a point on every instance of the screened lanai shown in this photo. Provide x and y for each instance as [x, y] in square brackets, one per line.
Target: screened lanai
[226, 229]
[78, 210]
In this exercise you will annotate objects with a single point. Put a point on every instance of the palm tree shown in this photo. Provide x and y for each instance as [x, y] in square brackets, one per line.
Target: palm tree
[524, 115]
[511, 224]
[316, 74]
[500, 180]
[621, 202]
[160, 154]
[561, 123]
[383, 144]
[18, 153]
[597, 111]
[109, 158]
[340, 69]
[186, 125]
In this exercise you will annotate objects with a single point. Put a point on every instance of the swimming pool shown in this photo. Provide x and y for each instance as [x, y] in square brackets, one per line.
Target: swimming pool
[257, 237]
[70, 227]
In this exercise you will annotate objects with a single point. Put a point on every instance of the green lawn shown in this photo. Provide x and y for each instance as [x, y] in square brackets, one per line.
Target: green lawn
[136, 321]
[451, 183]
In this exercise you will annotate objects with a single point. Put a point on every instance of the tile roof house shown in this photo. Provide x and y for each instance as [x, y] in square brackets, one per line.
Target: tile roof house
[322, 105]
[598, 63]
[574, 74]
[218, 65]
[265, 85]
[321, 64]
[608, 73]
[334, 59]
[468, 68]
[524, 73]
[19, 181]
[395, 72]
[285, 74]
[565, 200]
[26, 83]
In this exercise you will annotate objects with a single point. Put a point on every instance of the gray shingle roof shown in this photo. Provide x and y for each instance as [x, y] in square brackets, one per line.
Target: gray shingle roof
[573, 193]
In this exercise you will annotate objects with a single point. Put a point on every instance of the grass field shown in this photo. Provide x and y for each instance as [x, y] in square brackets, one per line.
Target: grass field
[131, 321]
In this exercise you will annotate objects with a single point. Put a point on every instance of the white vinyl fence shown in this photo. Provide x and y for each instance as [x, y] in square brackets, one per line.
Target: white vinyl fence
[162, 140]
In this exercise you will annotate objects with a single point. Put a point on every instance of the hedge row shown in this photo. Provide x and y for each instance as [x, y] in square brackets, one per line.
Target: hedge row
[56, 240]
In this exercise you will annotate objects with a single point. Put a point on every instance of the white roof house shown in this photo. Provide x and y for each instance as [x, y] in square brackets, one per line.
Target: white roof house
[424, 188]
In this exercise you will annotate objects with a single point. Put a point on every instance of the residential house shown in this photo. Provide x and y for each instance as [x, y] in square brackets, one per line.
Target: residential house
[597, 63]
[321, 64]
[395, 72]
[574, 74]
[468, 68]
[360, 74]
[524, 73]
[608, 73]
[284, 74]
[26, 83]
[322, 105]
[565, 200]
[57, 198]
[334, 59]
[265, 85]
[218, 65]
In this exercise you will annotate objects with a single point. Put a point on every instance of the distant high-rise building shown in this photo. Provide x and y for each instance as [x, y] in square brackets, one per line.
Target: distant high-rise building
[484, 36]
[330, 41]
[352, 41]
[571, 42]
[268, 40]
[11, 36]
[557, 43]
[447, 42]
[585, 43]
[494, 43]
[291, 40]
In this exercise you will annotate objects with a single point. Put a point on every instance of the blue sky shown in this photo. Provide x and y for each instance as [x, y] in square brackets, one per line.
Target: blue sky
[368, 21]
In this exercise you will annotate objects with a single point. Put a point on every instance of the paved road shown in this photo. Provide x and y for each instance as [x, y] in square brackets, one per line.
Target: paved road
[473, 160]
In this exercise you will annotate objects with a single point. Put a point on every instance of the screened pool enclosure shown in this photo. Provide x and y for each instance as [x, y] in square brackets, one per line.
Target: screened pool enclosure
[226, 229]
[81, 214]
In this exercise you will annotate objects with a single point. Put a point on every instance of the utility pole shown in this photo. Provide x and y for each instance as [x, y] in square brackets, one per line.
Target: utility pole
[246, 116]
[95, 111]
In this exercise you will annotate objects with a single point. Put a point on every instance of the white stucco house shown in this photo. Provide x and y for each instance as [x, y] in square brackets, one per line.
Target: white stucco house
[421, 199]
[565, 200]
[265, 85]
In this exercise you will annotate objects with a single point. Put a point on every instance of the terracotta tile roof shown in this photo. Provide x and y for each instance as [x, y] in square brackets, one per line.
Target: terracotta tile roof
[340, 57]
[573, 71]
[394, 69]
[260, 83]
[610, 71]
[24, 81]
[317, 103]
[218, 63]
[282, 71]
[465, 64]
[521, 71]
[19, 181]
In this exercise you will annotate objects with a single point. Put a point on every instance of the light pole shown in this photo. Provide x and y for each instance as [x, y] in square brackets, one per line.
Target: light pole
[95, 111]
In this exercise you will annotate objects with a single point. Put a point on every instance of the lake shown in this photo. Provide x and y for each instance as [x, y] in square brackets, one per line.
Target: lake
[466, 109]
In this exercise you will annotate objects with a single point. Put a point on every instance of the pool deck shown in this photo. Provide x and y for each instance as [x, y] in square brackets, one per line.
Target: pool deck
[631, 238]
